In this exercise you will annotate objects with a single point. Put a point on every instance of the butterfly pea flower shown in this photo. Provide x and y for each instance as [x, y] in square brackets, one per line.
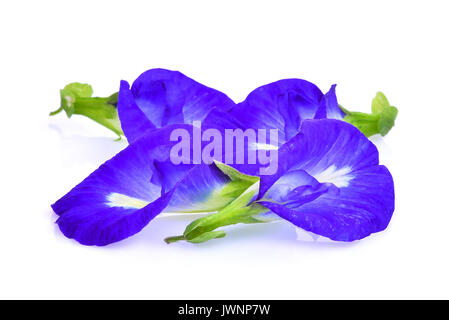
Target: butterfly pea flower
[159, 97]
[284, 104]
[124, 194]
[329, 182]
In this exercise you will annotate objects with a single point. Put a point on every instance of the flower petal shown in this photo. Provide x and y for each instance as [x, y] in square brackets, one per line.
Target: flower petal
[208, 188]
[283, 105]
[128, 191]
[121, 196]
[329, 182]
[133, 121]
[296, 187]
[166, 97]
[329, 108]
[323, 145]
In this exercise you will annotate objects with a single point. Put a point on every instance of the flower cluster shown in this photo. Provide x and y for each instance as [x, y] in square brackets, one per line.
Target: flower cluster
[327, 177]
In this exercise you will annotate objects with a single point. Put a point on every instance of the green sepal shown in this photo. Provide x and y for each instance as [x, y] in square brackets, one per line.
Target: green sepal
[387, 118]
[76, 98]
[69, 95]
[238, 211]
[239, 182]
[208, 236]
[379, 103]
[221, 197]
[200, 239]
[234, 174]
[381, 120]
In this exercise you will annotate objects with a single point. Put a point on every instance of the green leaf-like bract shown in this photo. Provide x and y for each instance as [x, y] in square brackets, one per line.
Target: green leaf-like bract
[76, 98]
[381, 120]
[238, 211]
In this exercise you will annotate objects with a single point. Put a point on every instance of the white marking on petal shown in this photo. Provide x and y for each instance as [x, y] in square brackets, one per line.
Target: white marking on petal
[124, 201]
[339, 177]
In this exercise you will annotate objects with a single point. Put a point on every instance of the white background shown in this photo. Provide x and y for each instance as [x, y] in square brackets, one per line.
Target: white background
[399, 47]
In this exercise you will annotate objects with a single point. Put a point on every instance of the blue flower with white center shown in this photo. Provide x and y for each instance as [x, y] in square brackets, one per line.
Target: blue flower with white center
[330, 182]
[124, 194]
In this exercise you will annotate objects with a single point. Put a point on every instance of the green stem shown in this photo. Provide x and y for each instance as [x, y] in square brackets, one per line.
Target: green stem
[56, 111]
[203, 229]
[174, 239]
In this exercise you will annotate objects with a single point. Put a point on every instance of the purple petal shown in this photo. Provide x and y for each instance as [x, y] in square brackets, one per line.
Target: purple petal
[280, 105]
[160, 97]
[330, 182]
[132, 120]
[329, 108]
[124, 194]
[121, 197]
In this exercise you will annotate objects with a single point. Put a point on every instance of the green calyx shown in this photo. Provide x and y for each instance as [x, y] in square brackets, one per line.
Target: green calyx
[238, 211]
[381, 120]
[76, 98]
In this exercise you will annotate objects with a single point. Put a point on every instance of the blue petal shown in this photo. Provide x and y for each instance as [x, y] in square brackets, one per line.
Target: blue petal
[329, 108]
[199, 190]
[297, 187]
[160, 97]
[132, 120]
[283, 105]
[122, 196]
[221, 120]
[330, 182]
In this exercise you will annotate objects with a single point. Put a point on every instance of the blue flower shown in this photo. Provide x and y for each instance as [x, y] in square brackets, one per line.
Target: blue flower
[124, 194]
[284, 104]
[329, 182]
[161, 97]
